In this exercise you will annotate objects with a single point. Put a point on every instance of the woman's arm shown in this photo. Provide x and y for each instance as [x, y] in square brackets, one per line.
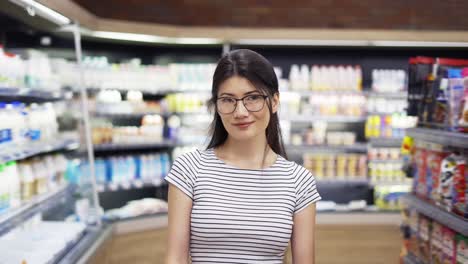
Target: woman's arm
[303, 236]
[180, 207]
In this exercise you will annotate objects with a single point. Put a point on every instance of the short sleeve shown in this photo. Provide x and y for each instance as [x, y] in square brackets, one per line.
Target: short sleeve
[306, 189]
[183, 173]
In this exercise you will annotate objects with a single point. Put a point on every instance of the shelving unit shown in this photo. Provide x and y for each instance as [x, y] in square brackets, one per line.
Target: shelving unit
[357, 147]
[446, 138]
[334, 119]
[137, 184]
[411, 259]
[453, 221]
[112, 147]
[389, 95]
[29, 95]
[37, 149]
[38, 204]
[386, 142]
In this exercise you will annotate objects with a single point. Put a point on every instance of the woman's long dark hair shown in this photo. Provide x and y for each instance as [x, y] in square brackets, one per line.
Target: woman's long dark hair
[259, 71]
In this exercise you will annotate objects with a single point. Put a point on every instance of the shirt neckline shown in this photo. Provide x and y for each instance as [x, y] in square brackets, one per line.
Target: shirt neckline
[213, 153]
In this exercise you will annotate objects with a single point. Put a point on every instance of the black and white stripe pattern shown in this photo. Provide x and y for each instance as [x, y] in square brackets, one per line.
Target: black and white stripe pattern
[239, 215]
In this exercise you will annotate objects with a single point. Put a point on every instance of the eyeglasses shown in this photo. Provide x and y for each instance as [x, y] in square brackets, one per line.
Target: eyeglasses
[253, 103]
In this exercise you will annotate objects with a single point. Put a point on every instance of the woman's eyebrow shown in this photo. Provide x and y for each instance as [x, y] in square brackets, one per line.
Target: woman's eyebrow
[230, 94]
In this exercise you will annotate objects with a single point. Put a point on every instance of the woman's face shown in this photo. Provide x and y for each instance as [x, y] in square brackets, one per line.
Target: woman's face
[242, 124]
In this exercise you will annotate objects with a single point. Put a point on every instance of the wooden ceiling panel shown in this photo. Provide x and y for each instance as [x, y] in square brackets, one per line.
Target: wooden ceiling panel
[334, 14]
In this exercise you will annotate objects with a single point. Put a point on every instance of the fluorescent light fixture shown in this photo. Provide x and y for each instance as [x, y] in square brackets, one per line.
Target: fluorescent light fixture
[128, 36]
[151, 38]
[435, 44]
[301, 42]
[43, 11]
[205, 41]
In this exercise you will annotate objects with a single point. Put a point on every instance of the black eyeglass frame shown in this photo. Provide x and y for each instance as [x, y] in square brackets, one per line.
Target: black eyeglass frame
[242, 99]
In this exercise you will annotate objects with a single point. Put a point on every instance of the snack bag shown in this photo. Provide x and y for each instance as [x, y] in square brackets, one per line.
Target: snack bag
[419, 178]
[435, 155]
[436, 243]
[459, 187]
[444, 190]
[424, 237]
[463, 115]
[448, 246]
[462, 249]
[413, 222]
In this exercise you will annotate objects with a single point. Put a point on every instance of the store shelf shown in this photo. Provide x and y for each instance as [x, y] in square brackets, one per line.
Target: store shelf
[137, 184]
[385, 161]
[343, 180]
[358, 147]
[388, 95]
[111, 147]
[140, 115]
[41, 203]
[445, 138]
[448, 219]
[359, 218]
[83, 250]
[29, 95]
[38, 148]
[307, 93]
[411, 259]
[386, 142]
[335, 119]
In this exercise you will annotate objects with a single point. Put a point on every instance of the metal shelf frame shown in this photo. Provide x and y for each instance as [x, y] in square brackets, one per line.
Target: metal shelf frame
[38, 149]
[448, 219]
[446, 138]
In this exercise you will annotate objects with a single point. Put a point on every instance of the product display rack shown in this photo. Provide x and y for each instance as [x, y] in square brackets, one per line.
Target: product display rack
[385, 142]
[355, 148]
[38, 204]
[410, 259]
[136, 184]
[29, 95]
[39, 149]
[453, 221]
[332, 119]
[445, 138]
[112, 147]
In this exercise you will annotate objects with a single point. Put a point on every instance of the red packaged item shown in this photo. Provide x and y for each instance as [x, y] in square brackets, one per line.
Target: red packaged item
[436, 243]
[448, 246]
[459, 187]
[424, 253]
[445, 188]
[435, 155]
[462, 249]
[420, 180]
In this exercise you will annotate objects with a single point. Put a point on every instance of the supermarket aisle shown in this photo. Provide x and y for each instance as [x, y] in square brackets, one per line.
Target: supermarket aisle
[335, 245]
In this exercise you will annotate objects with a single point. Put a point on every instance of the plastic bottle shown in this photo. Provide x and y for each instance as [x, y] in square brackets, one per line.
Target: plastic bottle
[3, 127]
[11, 170]
[3, 189]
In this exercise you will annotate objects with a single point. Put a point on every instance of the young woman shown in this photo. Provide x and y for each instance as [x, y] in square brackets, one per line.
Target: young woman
[240, 200]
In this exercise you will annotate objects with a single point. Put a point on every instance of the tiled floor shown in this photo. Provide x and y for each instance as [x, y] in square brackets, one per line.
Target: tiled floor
[336, 244]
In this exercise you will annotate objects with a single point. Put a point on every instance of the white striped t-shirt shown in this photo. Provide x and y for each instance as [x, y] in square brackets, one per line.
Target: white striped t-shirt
[241, 215]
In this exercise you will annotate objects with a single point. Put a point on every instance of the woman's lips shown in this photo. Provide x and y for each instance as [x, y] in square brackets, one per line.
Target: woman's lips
[243, 124]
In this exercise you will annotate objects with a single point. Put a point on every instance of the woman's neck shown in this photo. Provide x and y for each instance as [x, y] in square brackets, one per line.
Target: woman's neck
[249, 154]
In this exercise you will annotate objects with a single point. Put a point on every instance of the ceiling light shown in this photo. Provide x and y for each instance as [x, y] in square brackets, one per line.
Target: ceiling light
[435, 44]
[43, 11]
[301, 42]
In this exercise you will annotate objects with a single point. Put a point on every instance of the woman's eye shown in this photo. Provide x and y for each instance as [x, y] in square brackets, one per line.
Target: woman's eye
[227, 100]
[253, 97]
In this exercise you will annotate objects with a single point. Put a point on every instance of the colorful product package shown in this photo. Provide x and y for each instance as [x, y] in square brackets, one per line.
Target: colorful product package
[419, 177]
[448, 246]
[462, 249]
[436, 243]
[463, 115]
[435, 155]
[424, 237]
[450, 166]
[413, 222]
[459, 187]
[455, 95]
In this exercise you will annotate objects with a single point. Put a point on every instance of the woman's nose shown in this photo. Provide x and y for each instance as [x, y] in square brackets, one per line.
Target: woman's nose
[240, 110]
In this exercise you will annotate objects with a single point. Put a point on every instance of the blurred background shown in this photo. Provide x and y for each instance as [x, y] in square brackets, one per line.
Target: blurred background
[97, 98]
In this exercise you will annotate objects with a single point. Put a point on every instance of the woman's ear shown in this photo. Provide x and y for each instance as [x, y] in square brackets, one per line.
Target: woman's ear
[275, 103]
